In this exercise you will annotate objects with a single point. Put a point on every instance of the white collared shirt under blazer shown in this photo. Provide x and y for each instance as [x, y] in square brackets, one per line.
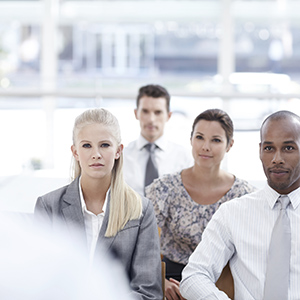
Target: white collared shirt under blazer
[241, 231]
[93, 223]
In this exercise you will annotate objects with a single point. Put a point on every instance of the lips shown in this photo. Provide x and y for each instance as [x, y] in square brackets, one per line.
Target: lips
[96, 165]
[205, 156]
[278, 171]
[151, 127]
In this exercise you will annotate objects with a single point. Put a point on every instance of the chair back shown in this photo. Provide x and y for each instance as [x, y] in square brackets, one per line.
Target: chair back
[163, 276]
[225, 282]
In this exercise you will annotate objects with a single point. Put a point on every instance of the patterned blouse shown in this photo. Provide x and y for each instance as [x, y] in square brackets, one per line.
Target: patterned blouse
[181, 219]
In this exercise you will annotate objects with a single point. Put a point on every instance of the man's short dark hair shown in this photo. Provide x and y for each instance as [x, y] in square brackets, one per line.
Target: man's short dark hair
[154, 91]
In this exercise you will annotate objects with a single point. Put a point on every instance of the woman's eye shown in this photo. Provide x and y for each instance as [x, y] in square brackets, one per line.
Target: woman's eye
[199, 137]
[217, 140]
[105, 145]
[86, 145]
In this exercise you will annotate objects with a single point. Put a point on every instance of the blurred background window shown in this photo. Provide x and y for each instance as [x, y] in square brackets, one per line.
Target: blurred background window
[58, 58]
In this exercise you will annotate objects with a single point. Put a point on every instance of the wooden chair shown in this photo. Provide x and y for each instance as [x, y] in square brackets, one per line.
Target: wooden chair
[225, 282]
[163, 275]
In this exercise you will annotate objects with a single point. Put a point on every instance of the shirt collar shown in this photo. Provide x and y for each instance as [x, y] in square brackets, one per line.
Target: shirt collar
[161, 142]
[83, 205]
[272, 196]
[295, 197]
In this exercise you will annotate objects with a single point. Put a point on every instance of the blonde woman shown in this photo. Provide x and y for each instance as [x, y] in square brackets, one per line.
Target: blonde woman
[98, 201]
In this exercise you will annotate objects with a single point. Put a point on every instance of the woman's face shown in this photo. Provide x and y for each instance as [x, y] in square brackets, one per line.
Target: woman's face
[96, 151]
[209, 143]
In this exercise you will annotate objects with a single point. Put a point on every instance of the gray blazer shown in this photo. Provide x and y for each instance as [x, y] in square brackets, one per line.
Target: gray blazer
[136, 245]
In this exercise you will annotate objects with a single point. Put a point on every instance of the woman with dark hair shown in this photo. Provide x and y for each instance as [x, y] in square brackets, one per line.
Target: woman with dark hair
[185, 201]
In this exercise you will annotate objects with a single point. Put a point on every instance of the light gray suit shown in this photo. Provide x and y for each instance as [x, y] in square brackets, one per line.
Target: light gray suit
[136, 245]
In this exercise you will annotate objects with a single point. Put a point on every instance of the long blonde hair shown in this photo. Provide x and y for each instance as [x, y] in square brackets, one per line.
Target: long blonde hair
[125, 203]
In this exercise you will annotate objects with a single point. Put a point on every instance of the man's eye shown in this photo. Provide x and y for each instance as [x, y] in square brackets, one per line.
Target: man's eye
[289, 148]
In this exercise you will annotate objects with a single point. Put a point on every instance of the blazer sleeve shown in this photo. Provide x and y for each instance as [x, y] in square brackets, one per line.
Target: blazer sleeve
[146, 281]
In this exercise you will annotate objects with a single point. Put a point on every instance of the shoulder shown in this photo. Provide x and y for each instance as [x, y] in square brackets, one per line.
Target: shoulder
[179, 155]
[178, 148]
[245, 201]
[242, 211]
[50, 202]
[146, 203]
[239, 188]
[131, 146]
[243, 186]
[164, 189]
[55, 196]
[166, 181]
[129, 154]
[147, 208]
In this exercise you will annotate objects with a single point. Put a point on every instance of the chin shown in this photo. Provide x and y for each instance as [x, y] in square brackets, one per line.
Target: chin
[280, 187]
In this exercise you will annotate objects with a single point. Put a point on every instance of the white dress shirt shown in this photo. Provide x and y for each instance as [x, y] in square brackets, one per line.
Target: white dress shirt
[170, 158]
[92, 223]
[241, 231]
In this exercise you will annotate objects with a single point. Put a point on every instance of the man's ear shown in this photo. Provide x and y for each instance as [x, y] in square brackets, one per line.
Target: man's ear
[136, 113]
[259, 149]
[169, 115]
[119, 151]
[74, 152]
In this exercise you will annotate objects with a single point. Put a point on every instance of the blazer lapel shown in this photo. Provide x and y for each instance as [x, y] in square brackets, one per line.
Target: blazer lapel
[72, 211]
[105, 242]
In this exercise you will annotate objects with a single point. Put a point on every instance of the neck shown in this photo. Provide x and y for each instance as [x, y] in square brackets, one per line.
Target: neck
[207, 174]
[151, 140]
[94, 190]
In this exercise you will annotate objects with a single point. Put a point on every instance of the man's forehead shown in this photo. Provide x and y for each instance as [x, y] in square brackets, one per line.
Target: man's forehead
[284, 125]
[153, 103]
[280, 135]
[280, 141]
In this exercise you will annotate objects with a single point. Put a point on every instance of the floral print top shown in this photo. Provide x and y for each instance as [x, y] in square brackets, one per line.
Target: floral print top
[181, 219]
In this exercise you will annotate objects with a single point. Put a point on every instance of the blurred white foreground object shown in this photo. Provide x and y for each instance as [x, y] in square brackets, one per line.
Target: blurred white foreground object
[37, 265]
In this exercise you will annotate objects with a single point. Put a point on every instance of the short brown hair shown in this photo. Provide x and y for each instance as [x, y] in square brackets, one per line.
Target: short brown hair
[154, 91]
[217, 115]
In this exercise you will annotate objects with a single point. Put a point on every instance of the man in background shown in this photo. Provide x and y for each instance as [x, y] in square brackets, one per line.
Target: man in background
[152, 155]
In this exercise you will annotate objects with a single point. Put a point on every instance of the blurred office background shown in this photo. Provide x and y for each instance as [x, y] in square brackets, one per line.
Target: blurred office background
[60, 57]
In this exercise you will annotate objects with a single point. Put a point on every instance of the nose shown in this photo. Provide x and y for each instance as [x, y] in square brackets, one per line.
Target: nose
[96, 155]
[151, 117]
[205, 146]
[277, 158]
